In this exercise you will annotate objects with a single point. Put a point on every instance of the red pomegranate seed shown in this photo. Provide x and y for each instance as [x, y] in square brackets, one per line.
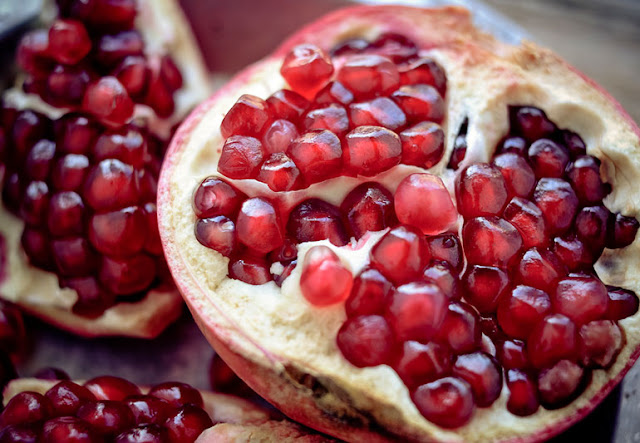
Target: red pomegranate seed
[35, 202]
[401, 254]
[68, 41]
[623, 232]
[21, 433]
[112, 48]
[548, 158]
[108, 387]
[159, 96]
[93, 300]
[512, 354]
[551, 340]
[151, 433]
[128, 275]
[334, 92]
[422, 145]
[68, 429]
[125, 144]
[39, 160]
[591, 227]
[13, 336]
[307, 69]
[134, 73]
[66, 214]
[584, 175]
[105, 14]
[446, 248]
[397, 47]
[368, 208]
[287, 105]
[560, 384]
[152, 242]
[12, 191]
[622, 303]
[250, 269]
[521, 309]
[286, 253]
[187, 423]
[366, 340]
[111, 185]
[118, 233]
[217, 233]
[37, 247]
[581, 298]
[369, 294]
[460, 329]
[107, 417]
[483, 286]
[69, 172]
[369, 75]
[574, 143]
[350, 46]
[523, 396]
[515, 145]
[216, 197]
[447, 402]
[66, 397]
[484, 375]
[540, 269]
[279, 136]
[369, 150]
[416, 311]
[318, 155]
[66, 85]
[74, 256]
[241, 157]
[324, 280]
[28, 128]
[177, 394]
[170, 73]
[286, 272]
[332, 117]
[480, 190]
[147, 409]
[258, 225]
[599, 343]
[495, 241]
[528, 220]
[32, 54]
[419, 191]
[518, 175]
[380, 111]
[248, 116]
[24, 408]
[419, 363]
[445, 277]
[280, 173]
[75, 133]
[573, 253]
[316, 220]
[531, 123]
[419, 102]
[51, 373]
[558, 203]
[108, 101]
[424, 71]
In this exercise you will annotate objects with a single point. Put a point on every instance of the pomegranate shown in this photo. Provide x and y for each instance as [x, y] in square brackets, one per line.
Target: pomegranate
[455, 261]
[84, 131]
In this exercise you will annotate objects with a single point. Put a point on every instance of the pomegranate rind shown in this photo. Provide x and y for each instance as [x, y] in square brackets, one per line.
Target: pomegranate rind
[37, 292]
[283, 348]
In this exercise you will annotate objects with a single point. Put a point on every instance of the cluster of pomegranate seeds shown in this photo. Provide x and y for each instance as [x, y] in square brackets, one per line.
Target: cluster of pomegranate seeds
[106, 409]
[92, 59]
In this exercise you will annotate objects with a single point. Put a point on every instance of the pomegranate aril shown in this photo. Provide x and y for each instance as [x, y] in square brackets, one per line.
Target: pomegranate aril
[366, 340]
[368, 208]
[307, 69]
[548, 158]
[108, 387]
[380, 111]
[66, 214]
[241, 157]
[622, 303]
[107, 417]
[419, 191]
[599, 343]
[584, 175]
[126, 144]
[66, 397]
[623, 232]
[105, 14]
[416, 311]
[216, 197]
[108, 101]
[280, 173]
[279, 136]
[70, 430]
[334, 92]
[523, 395]
[159, 96]
[75, 133]
[28, 128]
[528, 220]
[397, 47]
[151, 433]
[69, 172]
[369, 150]
[127, 275]
[119, 233]
[445, 277]
[532, 123]
[12, 190]
[36, 245]
[560, 384]
[111, 184]
[581, 298]
[248, 116]
[540, 269]
[522, 309]
[518, 175]
[133, 72]
[574, 143]
[177, 394]
[39, 160]
[572, 252]
[258, 225]
[551, 340]
[66, 85]
[21, 433]
[422, 145]
[369, 294]
[350, 46]
[32, 54]
[316, 220]
[460, 329]
[591, 227]
[513, 144]
[73, 256]
[401, 254]
[459, 151]
[250, 269]
[558, 203]
[483, 374]
[147, 409]
[93, 300]
[286, 272]
[187, 423]
[287, 105]
[424, 71]
[369, 75]
[170, 73]
[285, 253]
[24, 408]
[495, 241]
[483, 286]
[447, 402]
[332, 117]
[217, 233]
[318, 155]
[35, 202]
[419, 102]
[512, 354]
[446, 248]
[324, 280]
[112, 48]
[419, 363]
[481, 190]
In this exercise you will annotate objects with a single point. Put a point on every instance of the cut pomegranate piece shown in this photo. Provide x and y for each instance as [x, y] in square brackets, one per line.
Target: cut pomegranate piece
[540, 269]
[584, 175]
[419, 363]
[216, 197]
[250, 269]
[258, 225]
[369, 294]
[523, 396]
[560, 384]
[483, 286]
[558, 203]
[599, 342]
[108, 101]
[380, 111]
[424, 71]
[241, 157]
[581, 298]
[279, 136]
[446, 248]
[622, 303]
[532, 123]
[287, 105]
[369, 75]
[495, 241]
[307, 69]
[528, 220]
[401, 254]
[623, 233]
[369, 150]
[483, 374]
[480, 191]
[248, 117]
[551, 340]
[447, 402]
[460, 329]
[318, 155]
[333, 118]
[420, 102]
[366, 340]
[422, 144]
[368, 208]
[522, 309]
[324, 280]
[316, 220]
[518, 175]
[512, 354]
[548, 158]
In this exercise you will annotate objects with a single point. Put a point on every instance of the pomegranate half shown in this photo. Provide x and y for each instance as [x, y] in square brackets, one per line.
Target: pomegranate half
[84, 130]
[398, 227]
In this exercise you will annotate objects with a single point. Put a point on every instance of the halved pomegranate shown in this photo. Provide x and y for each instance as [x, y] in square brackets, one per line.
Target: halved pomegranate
[454, 254]
[83, 134]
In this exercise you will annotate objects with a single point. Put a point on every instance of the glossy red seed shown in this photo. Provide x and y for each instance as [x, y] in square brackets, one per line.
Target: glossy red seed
[447, 402]
[318, 155]
[574, 143]
[422, 145]
[187, 423]
[217, 233]
[177, 394]
[126, 144]
[518, 175]
[159, 96]
[350, 46]
[599, 342]
[380, 111]
[447, 248]
[111, 185]
[74, 256]
[134, 73]
[68, 429]
[416, 311]
[66, 397]
[369, 294]
[13, 337]
[483, 286]
[151, 433]
[105, 14]
[241, 157]
[315, 220]
[369, 150]
[307, 69]
[332, 117]
[250, 269]
[512, 354]
[584, 175]
[325, 280]
[513, 144]
[36, 245]
[591, 227]
[523, 396]
[419, 363]
[540, 269]
[397, 47]
[334, 92]
[69, 172]
[560, 384]
[75, 133]
[366, 340]
[419, 191]
[258, 225]
[109, 387]
[280, 173]
[39, 161]
[368, 208]
[127, 275]
[521, 309]
[93, 300]
[483, 374]
[248, 116]
[24, 408]
[112, 48]
[548, 159]
[623, 232]
[443, 275]
[216, 197]
[460, 329]
[572, 252]
[622, 303]
[528, 220]
[480, 190]
[286, 253]
[286, 272]
[66, 214]
[68, 41]
[287, 105]
[401, 254]
[107, 417]
[35, 202]
[581, 298]
[28, 128]
[558, 203]
[420, 102]
[532, 123]
[108, 101]
[170, 73]
[551, 340]
[369, 75]
[118, 233]
[32, 54]
[66, 85]
[495, 241]
[12, 191]
[424, 71]
[279, 136]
